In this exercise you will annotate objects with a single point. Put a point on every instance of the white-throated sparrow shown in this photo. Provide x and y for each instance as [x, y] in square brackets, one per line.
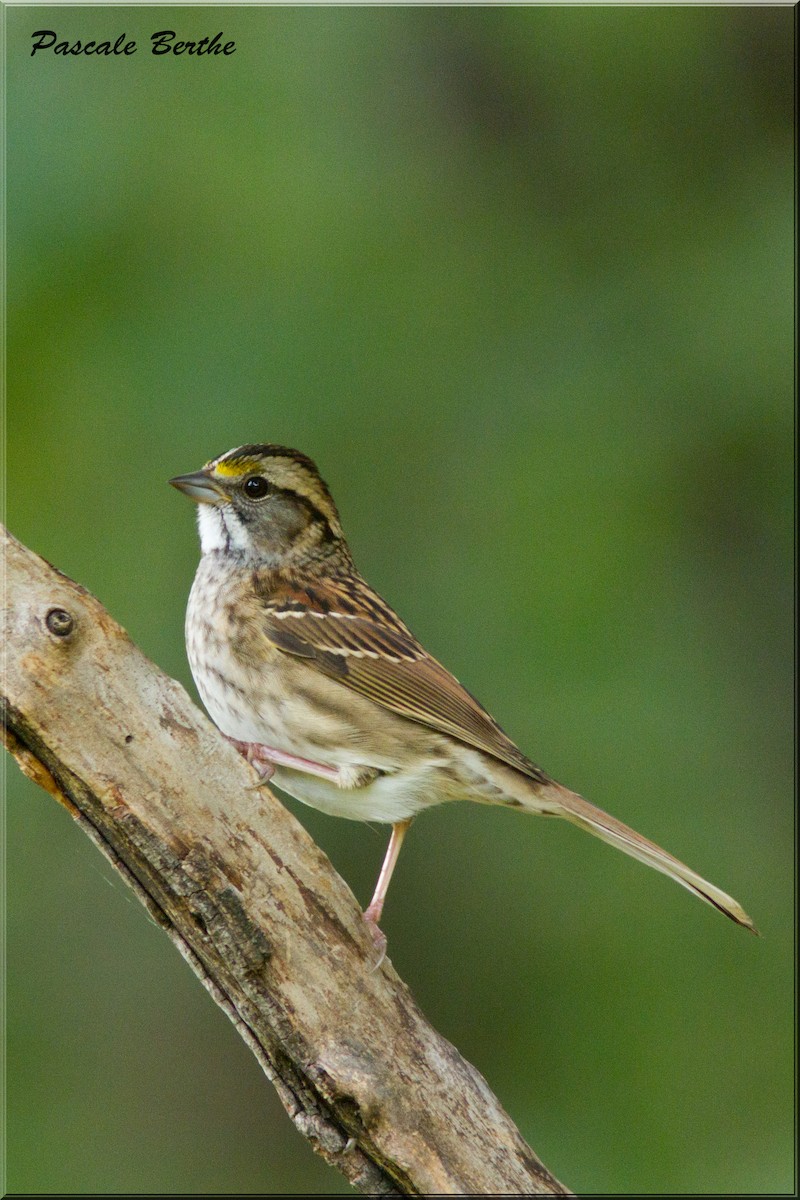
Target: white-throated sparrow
[314, 677]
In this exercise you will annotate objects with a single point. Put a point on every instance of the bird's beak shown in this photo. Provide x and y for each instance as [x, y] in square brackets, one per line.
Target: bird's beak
[200, 486]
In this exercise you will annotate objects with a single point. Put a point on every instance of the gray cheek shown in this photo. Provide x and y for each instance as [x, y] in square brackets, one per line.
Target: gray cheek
[275, 524]
[284, 518]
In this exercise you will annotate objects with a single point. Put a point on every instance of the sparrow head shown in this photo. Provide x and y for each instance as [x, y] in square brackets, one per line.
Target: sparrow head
[266, 504]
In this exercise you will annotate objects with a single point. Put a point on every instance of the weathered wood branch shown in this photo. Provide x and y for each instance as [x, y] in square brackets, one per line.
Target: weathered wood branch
[249, 900]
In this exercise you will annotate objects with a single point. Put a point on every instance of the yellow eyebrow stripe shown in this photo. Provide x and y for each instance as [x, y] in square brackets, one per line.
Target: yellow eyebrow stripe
[236, 466]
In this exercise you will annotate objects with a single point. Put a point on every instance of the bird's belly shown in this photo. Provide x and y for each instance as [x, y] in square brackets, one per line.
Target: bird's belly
[335, 734]
[311, 717]
[389, 798]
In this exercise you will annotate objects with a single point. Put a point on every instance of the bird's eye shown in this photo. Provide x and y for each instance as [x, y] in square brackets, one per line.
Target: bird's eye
[255, 487]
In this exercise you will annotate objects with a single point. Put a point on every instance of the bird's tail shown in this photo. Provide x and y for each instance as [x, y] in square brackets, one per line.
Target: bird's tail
[551, 799]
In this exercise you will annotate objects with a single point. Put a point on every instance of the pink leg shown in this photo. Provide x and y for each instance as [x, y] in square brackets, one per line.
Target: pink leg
[265, 759]
[372, 914]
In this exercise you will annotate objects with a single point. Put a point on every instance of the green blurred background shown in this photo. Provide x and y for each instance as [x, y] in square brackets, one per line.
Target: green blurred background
[520, 280]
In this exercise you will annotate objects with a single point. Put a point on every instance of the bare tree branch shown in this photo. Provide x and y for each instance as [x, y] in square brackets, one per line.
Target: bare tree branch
[249, 900]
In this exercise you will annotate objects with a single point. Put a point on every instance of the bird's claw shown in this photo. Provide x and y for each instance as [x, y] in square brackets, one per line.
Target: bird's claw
[264, 769]
[378, 937]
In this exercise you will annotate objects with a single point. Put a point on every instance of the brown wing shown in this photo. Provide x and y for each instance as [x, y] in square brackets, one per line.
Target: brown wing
[350, 634]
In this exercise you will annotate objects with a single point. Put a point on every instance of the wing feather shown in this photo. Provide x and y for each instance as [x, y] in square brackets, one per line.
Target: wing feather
[350, 634]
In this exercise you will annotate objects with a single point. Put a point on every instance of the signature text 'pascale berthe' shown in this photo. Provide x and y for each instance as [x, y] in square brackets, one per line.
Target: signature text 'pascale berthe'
[161, 43]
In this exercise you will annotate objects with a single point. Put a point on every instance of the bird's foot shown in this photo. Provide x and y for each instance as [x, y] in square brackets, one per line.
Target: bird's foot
[266, 758]
[259, 761]
[371, 916]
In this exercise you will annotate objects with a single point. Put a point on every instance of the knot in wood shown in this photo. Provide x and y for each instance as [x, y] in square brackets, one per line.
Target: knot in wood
[60, 622]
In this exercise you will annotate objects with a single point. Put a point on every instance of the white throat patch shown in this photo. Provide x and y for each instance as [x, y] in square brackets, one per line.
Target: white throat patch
[220, 529]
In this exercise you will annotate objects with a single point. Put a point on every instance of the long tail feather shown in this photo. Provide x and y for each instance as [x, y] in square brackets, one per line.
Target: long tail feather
[553, 799]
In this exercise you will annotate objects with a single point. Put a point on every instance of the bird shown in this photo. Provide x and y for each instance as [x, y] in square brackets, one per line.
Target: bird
[316, 680]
